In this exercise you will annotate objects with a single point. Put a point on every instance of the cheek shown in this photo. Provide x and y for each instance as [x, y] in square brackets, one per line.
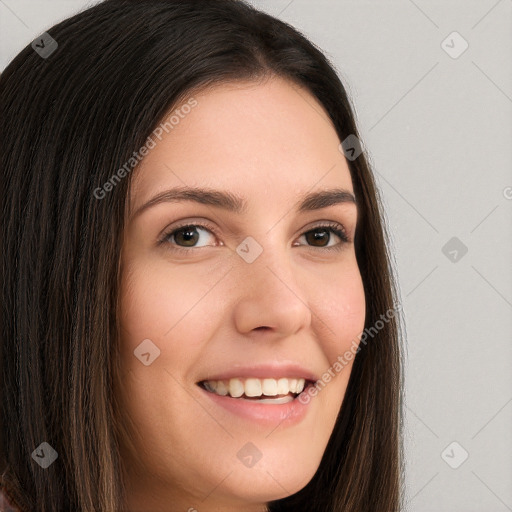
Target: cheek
[340, 319]
[341, 309]
[171, 307]
[152, 301]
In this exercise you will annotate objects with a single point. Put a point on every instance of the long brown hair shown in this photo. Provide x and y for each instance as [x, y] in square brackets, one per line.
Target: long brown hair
[68, 121]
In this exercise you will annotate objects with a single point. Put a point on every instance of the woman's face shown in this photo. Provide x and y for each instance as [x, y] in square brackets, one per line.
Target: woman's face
[249, 300]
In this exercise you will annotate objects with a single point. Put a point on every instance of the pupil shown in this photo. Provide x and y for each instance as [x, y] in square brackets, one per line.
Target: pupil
[318, 234]
[190, 234]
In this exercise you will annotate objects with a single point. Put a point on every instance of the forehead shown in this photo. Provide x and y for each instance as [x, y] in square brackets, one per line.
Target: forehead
[267, 139]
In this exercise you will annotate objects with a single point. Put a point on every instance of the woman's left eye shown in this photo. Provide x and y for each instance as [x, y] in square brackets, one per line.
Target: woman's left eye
[322, 233]
[188, 234]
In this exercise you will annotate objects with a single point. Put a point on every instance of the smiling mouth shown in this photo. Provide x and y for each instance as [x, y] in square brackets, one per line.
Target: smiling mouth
[271, 391]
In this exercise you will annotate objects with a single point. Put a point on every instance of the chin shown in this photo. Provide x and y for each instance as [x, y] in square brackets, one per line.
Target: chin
[278, 478]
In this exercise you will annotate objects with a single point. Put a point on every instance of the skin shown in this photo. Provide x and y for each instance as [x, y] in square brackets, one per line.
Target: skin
[269, 142]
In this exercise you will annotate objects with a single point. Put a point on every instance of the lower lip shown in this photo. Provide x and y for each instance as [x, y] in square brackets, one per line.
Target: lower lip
[287, 414]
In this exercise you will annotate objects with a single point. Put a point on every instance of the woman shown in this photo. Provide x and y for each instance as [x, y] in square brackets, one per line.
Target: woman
[198, 306]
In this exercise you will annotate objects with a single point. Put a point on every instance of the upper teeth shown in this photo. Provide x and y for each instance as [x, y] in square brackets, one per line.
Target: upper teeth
[255, 387]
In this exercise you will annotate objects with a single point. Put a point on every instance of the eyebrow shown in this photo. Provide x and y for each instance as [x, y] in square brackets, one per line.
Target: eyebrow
[233, 203]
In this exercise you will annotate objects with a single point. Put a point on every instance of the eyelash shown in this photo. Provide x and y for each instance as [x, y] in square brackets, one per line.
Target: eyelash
[334, 227]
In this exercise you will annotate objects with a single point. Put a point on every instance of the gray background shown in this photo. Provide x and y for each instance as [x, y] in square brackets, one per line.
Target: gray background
[439, 132]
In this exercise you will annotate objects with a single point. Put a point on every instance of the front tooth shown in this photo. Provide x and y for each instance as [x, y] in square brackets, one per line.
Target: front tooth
[292, 383]
[236, 388]
[300, 385]
[269, 387]
[253, 387]
[282, 386]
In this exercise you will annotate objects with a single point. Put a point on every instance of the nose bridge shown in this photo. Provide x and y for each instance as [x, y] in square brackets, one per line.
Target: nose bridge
[267, 290]
[263, 256]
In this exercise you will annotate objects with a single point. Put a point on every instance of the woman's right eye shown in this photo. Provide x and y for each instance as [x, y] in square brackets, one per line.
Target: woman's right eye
[187, 235]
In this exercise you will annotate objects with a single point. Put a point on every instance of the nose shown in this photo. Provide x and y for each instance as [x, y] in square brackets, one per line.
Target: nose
[267, 295]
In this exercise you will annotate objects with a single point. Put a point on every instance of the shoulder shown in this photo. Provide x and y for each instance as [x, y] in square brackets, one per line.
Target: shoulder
[5, 504]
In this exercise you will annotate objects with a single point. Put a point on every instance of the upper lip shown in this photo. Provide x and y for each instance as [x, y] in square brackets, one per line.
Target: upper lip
[262, 371]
